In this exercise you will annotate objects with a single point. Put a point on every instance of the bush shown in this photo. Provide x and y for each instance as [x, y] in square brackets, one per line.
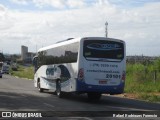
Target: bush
[23, 72]
[140, 78]
[157, 64]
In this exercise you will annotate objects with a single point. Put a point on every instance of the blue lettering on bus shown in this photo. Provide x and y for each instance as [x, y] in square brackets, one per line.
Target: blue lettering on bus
[98, 46]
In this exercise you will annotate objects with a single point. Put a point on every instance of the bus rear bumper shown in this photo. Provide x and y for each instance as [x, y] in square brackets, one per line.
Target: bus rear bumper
[85, 88]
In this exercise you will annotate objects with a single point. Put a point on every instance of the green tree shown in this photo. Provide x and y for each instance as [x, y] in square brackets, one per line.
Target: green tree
[1, 57]
[157, 64]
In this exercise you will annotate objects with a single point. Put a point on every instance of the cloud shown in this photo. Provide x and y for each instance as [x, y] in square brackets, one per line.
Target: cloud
[103, 2]
[20, 2]
[54, 3]
[76, 3]
[138, 26]
[59, 4]
[3, 11]
[5, 19]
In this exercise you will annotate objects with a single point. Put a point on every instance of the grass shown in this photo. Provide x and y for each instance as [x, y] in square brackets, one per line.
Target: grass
[141, 82]
[23, 72]
[149, 97]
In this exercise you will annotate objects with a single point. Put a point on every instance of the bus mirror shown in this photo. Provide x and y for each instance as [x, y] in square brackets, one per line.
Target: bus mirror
[35, 63]
[35, 60]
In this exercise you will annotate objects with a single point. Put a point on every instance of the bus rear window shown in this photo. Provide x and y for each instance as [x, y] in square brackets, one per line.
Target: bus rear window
[103, 49]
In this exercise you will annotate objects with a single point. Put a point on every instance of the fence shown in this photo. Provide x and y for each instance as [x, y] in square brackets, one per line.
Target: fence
[141, 72]
[149, 76]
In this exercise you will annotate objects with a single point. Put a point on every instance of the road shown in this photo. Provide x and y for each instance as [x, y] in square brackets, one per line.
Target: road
[18, 94]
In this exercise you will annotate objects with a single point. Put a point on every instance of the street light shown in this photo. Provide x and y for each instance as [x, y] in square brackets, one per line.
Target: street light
[106, 29]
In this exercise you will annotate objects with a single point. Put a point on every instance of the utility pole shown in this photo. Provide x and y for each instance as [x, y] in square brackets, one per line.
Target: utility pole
[36, 48]
[106, 29]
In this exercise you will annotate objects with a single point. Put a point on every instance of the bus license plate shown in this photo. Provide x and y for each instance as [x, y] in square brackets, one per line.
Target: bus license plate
[102, 81]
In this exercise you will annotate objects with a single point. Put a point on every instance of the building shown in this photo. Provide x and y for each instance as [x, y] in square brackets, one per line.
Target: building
[25, 55]
[24, 51]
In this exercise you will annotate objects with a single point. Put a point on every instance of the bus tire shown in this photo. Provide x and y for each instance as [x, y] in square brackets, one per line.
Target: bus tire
[39, 86]
[94, 96]
[58, 89]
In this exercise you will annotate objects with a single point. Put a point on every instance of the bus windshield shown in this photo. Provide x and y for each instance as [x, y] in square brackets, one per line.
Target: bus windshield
[103, 50]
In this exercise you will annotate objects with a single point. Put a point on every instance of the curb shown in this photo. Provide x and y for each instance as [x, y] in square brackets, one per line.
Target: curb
[134, 102]
[22, 78]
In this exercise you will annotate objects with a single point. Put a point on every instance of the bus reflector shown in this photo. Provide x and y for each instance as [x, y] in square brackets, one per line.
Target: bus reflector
[81, 74]
[123, 76]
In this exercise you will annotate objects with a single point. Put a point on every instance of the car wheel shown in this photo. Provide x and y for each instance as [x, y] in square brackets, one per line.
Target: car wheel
[58, 89]
[39, 86]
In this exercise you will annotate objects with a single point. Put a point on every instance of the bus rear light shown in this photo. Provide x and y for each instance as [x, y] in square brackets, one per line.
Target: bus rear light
[123, 76]
[81, 74]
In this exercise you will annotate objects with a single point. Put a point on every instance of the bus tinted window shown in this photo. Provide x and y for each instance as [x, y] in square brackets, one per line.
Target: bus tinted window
[62, 54]
[103, 49]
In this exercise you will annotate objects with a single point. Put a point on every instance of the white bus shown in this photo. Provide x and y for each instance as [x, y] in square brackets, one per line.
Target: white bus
[92, 65]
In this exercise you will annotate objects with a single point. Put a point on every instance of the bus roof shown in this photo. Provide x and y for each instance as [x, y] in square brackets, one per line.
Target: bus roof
[59, 43]
[73, 40]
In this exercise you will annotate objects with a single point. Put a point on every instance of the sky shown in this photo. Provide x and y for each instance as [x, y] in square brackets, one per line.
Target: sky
[39, 23]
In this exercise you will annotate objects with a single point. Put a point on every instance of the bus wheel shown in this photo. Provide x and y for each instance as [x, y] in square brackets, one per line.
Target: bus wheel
[39, 86]
[58, 89]
[94, 96]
